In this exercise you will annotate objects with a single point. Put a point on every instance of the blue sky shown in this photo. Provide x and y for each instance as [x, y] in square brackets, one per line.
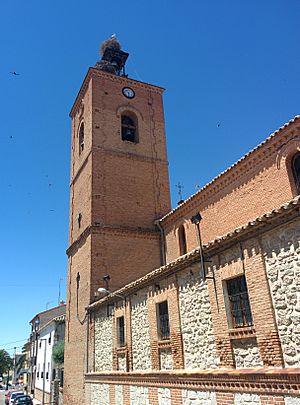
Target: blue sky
[231, 73]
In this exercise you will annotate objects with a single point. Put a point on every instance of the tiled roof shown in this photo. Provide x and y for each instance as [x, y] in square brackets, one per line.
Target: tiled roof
[191, 256]
[295, 119]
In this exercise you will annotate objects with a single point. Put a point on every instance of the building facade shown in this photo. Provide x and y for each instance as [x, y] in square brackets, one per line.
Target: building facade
[205, 299]
[48, 328]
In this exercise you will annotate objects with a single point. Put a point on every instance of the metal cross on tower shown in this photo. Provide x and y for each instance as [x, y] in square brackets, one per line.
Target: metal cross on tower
[180, 188]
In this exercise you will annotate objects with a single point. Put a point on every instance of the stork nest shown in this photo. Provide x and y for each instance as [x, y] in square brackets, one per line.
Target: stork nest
[112, 43]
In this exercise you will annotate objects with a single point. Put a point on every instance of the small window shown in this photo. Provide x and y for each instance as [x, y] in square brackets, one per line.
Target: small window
[42, 374]
[81, 138]
[129, 129]
[121, 331]
[163, 320]
[239, 302]
[296, 171]
[47, 375]
[49, 340]
[40, 344]
[182, 240]
[38, 374]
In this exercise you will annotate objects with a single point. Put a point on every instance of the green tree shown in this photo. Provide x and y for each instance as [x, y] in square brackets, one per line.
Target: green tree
[20, 363]
[58, 352]
[6, 362]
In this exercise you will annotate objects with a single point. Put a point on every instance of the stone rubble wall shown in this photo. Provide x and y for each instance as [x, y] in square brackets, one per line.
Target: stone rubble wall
[246, 353]
[164, 396]
[99, 394]
[119, 394]
[292, 400]
[139, 395]
[122, 363]
[196, 321]
[282, 258]
[103, 341]
[166, 359]
[191, 397]
[246, 399]
[140, 332]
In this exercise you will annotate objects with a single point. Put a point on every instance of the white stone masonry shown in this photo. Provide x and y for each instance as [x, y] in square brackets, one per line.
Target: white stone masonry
[282, 260]
[195, 313]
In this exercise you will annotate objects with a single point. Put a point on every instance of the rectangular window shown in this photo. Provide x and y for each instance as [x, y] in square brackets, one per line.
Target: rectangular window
[239, 302]
[121, 331]
[163, 320]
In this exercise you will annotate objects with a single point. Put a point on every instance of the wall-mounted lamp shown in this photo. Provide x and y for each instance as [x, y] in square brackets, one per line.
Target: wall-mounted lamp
[196, 219]
[104, 291]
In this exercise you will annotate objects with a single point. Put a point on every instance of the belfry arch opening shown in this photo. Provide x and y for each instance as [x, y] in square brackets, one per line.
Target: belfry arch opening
[129, 127]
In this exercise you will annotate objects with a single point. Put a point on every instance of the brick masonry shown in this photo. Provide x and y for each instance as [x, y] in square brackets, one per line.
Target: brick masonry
[117, 190]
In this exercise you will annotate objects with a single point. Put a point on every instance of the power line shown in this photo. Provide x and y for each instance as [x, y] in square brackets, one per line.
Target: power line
[10, 343]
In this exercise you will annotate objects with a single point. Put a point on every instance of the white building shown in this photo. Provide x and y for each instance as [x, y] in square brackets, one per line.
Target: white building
[49, 329]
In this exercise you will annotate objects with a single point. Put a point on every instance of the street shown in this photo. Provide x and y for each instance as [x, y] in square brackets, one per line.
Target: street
[2, 397]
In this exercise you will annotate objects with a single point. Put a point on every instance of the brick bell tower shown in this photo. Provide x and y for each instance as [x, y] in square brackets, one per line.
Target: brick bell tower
[119, 186]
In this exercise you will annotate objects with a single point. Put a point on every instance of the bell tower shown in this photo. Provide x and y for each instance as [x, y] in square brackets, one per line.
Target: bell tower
[119, 186]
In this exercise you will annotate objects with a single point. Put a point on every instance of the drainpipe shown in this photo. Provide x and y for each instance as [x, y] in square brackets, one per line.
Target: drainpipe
[162, 242]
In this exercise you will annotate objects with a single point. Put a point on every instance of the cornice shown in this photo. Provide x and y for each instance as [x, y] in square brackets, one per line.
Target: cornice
[119, 79]
[266, 381]
[288, 212]
[112, 152]
[123, 231]
[246, 164]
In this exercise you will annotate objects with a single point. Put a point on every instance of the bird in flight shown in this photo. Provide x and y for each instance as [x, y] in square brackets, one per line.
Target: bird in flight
[15, 73]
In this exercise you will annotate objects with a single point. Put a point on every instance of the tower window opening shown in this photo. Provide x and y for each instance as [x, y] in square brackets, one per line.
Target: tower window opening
[129, 129]
[182, 240]
[296, 170]
[81, 138]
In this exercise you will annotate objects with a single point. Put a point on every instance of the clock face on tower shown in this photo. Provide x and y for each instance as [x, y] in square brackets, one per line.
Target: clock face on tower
[128, 92]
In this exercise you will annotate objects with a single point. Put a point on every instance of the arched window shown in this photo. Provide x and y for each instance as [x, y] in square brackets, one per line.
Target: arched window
[81, 137]
[296, 171]
[129, 128]
[182, 240]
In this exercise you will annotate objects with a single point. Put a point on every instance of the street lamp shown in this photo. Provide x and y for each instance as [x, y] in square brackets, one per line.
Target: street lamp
[196, 221]
[106, 292]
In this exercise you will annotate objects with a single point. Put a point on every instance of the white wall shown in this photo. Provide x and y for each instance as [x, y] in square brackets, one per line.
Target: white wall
[42, 345]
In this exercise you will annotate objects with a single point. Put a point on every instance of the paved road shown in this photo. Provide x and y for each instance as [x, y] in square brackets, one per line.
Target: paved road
[2, 398]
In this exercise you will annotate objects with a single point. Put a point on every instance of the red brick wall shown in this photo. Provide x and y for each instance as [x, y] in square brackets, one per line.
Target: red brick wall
[256, 185]
[119, 188]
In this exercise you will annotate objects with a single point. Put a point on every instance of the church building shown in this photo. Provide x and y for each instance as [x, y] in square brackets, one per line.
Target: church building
[194, 305]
